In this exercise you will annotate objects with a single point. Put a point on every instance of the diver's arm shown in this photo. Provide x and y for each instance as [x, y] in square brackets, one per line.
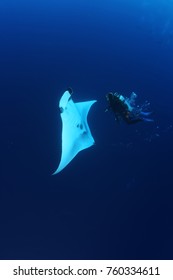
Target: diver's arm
[108, 108]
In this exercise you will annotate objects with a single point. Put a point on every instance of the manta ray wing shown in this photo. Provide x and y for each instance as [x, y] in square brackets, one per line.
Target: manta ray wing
[76, 135]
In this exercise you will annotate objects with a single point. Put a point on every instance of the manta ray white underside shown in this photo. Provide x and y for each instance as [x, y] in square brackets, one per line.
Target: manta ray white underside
[76, 135]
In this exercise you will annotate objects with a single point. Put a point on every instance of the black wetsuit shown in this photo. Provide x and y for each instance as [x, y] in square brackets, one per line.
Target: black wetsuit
[121, 109]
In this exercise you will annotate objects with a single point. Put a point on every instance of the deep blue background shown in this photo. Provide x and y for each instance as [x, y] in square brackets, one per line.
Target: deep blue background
[114, 201]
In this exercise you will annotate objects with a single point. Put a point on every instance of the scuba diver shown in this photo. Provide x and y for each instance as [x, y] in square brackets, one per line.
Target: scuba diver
[124, 108]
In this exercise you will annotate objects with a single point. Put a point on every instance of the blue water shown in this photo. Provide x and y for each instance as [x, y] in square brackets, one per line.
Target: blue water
[114, 200]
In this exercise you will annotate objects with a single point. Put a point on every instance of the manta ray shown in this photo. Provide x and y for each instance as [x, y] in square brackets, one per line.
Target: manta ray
[76, 134]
